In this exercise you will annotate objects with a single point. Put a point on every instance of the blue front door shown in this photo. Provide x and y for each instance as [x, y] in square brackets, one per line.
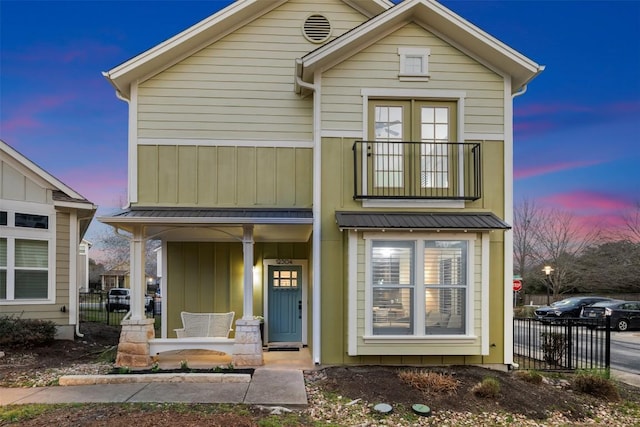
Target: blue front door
[285, 303]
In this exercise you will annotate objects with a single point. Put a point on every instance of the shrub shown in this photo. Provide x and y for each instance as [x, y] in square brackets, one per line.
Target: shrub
[553, 346]
[426, 381]
[533, 376]
[596, 384]
[489, 387]
[25, 333]
[524, 311]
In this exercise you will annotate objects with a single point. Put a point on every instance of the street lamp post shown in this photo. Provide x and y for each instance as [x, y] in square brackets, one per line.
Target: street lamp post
[547, 271]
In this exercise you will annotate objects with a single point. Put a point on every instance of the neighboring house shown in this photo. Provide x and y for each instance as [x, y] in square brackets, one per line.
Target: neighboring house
[115, 278]
[83, 265]
[342, 168]
[42, 222]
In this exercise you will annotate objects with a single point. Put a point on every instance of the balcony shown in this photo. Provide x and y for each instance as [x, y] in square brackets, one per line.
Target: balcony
[416, 170]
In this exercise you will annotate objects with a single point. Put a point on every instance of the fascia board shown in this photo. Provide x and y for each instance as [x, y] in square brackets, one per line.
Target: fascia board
[208, 220]
[433, 15]
[188, 41]
[37, 171]
[370, 8]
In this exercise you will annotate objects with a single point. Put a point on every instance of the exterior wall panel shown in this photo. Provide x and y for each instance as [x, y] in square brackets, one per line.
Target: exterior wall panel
[225, 176]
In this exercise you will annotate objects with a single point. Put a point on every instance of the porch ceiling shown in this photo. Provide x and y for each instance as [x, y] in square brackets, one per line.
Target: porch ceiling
[270, 225]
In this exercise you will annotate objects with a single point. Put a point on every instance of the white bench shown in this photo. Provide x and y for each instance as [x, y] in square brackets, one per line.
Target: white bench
[200, 331]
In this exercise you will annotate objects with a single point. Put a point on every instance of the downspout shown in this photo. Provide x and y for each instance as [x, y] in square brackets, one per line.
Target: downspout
[508, 237]
[317, 155]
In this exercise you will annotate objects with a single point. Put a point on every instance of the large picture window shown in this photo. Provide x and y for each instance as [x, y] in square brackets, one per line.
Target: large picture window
[419, 287]
[25, 258]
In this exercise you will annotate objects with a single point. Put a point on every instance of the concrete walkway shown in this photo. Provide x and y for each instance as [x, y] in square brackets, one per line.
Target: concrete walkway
[276, 387]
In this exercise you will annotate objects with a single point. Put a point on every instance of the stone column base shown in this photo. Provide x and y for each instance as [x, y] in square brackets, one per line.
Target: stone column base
[247, 350]
[133, 348]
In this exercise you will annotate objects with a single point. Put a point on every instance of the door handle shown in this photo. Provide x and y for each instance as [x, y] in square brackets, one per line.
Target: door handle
[299, 309]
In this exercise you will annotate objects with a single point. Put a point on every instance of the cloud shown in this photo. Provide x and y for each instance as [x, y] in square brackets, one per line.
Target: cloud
[588, 201]
[24, 116]
[528, 172]
[549, 108]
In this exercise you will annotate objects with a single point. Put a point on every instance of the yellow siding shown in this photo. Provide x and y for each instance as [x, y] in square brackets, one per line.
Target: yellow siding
[208, 276]
[378, 66]
[240, 87]
[225, 176]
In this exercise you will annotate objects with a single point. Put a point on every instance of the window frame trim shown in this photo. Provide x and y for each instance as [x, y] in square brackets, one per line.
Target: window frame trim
[419, 298]
[11, 233]
[423, 53]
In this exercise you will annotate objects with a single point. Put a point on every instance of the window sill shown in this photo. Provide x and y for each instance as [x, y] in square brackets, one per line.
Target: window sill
[413, 78]
[26, 301]
[397, 339]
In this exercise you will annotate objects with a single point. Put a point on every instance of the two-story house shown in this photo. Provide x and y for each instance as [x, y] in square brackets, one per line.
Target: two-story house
[342, 168]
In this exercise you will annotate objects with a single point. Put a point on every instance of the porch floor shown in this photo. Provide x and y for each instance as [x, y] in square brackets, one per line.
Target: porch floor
[205, 359]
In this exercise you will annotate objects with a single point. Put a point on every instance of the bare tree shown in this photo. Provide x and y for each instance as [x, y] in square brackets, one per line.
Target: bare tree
[114, 249]
[560, 239]
[525, 223]
[631, 224]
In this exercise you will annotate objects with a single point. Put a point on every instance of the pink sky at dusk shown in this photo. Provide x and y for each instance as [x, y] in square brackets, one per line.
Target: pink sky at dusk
[576, 129]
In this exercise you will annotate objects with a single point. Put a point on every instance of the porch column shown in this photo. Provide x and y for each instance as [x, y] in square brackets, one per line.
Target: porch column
[137, 274]
[247, 348]
[133, 347]
[247, 251]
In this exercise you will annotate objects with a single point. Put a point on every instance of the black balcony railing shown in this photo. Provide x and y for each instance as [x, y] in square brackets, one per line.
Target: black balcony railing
[416, 170]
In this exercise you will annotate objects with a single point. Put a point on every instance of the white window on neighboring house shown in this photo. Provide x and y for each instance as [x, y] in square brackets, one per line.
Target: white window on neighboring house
[419, 287]
[414, 63]
[26, 257]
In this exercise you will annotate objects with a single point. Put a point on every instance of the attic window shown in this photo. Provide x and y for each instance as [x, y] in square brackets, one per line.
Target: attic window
[414, 63]
[317, 28]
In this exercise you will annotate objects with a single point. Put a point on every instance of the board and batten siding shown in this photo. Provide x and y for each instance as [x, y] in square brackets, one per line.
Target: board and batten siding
[204, 277]
[15, 185]
[225, 176]
[241, 86]
[377, 66]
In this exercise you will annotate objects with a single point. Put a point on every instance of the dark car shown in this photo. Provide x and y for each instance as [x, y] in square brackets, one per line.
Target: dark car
[118, 299]
[569, 307]
[624, 315]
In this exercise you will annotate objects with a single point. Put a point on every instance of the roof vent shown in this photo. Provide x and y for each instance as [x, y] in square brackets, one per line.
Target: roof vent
[317, 28]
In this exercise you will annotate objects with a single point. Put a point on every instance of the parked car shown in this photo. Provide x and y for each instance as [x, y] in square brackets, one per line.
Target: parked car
[569, 307]
[624, 315]
[118, 299]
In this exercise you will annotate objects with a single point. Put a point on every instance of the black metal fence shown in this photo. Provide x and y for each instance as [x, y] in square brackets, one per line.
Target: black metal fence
[567, 344]
[93, 308]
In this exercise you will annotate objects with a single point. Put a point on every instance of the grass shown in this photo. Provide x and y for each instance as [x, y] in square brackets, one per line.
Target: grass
[489, 387]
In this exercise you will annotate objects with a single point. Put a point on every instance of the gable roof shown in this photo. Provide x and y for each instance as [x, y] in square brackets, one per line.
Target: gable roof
[434, 17]
[61, 192]
[203, 34]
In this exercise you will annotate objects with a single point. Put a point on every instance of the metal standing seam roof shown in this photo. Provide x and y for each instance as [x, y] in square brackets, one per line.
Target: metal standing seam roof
[420, 221]
[214, 214]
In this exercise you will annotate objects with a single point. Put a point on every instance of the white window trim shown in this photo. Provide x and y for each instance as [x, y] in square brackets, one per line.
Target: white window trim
[11, 233]
[419, 307]
[423, 53]
[458, 96]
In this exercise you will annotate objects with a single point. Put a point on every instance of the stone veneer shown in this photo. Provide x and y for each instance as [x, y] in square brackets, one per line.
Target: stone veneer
[247, 350]
[133, 348]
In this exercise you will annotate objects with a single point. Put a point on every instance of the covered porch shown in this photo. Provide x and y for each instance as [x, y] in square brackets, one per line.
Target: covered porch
[214, 261]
